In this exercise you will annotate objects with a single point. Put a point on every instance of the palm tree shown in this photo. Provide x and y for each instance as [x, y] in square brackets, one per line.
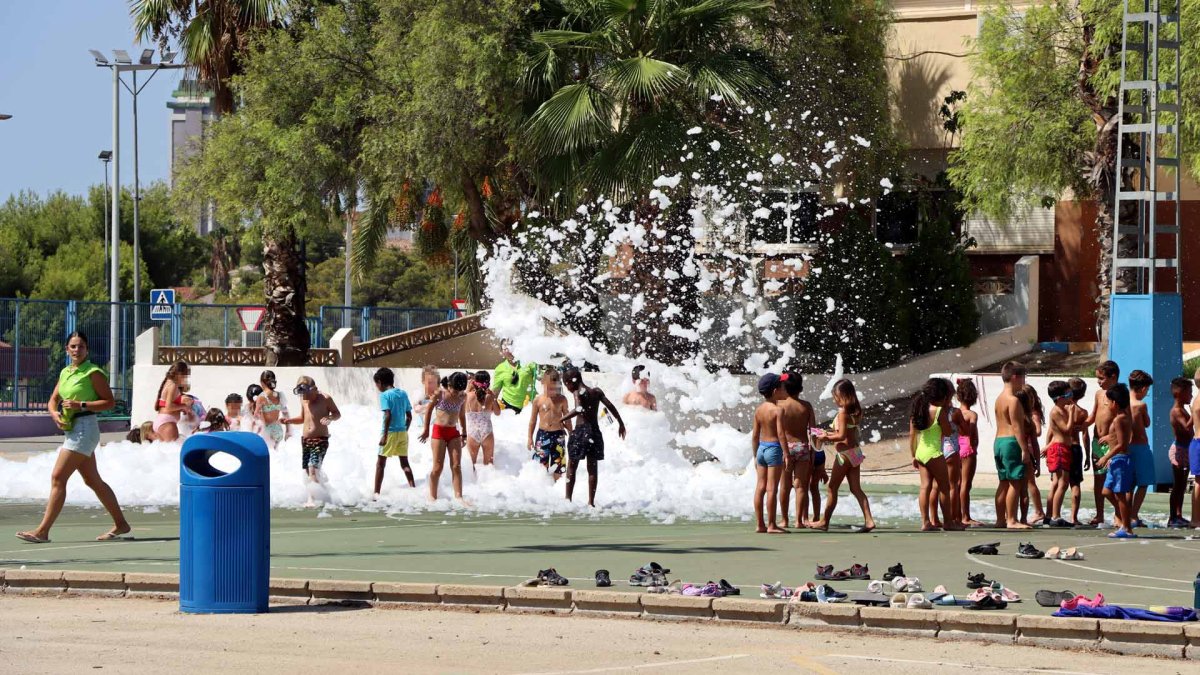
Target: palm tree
[213, 35]
[621, 83]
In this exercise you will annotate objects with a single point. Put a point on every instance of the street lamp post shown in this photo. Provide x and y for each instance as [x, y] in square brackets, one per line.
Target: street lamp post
[105, 158]
[121, 63]
[5, 116]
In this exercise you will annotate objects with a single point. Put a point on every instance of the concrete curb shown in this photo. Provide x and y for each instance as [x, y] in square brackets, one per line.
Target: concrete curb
[1140, 638]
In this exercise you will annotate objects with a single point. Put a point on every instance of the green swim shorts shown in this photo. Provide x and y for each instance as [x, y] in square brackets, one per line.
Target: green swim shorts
[1098, 450]
[1009, 464]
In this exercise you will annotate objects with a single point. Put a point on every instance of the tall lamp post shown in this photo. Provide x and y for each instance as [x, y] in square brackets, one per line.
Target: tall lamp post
[105, 158]
[5, 116]
[122, 63]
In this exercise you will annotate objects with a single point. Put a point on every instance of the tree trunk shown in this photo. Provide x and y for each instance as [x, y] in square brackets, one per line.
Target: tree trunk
[287, 338]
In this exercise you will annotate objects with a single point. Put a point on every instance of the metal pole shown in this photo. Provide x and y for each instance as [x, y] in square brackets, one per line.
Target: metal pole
[105, 236]
[455, 273]
[346, 301]
[114, 289]
[137, 197]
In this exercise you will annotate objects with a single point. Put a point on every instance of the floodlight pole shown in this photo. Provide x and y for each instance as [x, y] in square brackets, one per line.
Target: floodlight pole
[114, 288]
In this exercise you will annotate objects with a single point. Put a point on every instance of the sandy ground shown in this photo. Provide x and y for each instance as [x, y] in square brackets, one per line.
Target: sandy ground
[57, 635]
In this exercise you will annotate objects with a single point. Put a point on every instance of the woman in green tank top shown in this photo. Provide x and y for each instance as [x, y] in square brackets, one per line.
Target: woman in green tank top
[82, 391]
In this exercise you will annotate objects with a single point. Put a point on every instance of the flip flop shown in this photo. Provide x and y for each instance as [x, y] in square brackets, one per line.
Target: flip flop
[1009, 595]
[1052, 553]
[602, 579]
[1071, 554]
[112, 536]
[32, 539]
[1052, 598]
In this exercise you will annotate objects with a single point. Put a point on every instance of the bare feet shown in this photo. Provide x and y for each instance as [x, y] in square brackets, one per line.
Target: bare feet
[954, 527]
[1096, 521]
[867, 528]
[799, 525]
[116, 533]
[973, 523]
[1000, 525]
[775, 529]
[819, 525]
[931, 528]
[1019, 526]
[762, 529]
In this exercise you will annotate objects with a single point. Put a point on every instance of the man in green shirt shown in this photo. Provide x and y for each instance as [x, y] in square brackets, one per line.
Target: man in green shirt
[514, 381]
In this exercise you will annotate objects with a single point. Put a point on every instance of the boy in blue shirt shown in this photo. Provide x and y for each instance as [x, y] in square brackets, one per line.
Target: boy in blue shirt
[397, 416]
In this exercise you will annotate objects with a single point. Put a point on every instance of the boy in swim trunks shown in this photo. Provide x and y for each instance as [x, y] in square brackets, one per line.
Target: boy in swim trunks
[1181, 427]
[766, 442]
[316, 412]
[1059, 437]
[1011, 451]
[1141, 457]
[1118, 481]
[1194, 457]
[1106, 376]
[397, 418]
[549, 408]
[797, 461]
[1080, 460]
[587, 442]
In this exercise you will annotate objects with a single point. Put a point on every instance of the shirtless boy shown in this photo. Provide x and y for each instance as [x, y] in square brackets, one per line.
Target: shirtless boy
[1141, 457]
[316, 412]
[641, 396]
[1183, 431]
[1080, 459]
[549, 408]
[1011, 451]
[798, 419]
[587, 441]
[766, 443]
[1118, 481]
[1059, 437]
[1106, 376]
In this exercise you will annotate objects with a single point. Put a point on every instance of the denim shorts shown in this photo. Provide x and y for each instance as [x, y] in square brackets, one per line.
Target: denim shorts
[84, 435]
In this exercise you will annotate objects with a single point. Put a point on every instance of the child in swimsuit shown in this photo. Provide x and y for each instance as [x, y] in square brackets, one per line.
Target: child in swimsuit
[1059, 435]
[587, 442]
[767, 439]
[928, 426]
[480, 408]
[1080, 460]
[430, 382]
[797, 462]
[1182, 429]
[233, 412]
[845, 441]
[446, 417]
[1033, 464]
[317, 411]
[968, 446]
[549, 408]
[170, 404]
[269, 408]
[251, 420]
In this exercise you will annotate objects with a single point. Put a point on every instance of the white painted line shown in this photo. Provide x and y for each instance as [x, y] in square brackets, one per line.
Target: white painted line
[1061, 578]
[641, 666]
[1124, 574]
[951, 664]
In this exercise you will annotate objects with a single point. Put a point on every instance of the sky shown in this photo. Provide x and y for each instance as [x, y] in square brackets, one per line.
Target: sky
[61, 102]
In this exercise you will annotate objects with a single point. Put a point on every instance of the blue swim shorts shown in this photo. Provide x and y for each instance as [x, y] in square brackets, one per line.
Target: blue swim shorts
[1120, 475]
[1142, 458]
[769, 454]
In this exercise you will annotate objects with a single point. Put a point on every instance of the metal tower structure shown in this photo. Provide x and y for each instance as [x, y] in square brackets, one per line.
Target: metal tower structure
[1150, 93]
[1147, 309]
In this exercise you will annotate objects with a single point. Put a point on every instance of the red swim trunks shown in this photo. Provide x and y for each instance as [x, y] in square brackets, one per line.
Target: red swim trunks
[443, 433]
[1058, 457]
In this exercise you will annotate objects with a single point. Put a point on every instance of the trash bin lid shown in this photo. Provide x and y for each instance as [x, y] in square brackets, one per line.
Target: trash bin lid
[195, 466]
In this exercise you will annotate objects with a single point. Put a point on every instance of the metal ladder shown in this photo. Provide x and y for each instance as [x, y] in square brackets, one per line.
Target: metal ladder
[1147, 34]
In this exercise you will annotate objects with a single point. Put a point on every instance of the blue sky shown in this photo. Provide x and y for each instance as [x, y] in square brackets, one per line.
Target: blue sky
[61, 102]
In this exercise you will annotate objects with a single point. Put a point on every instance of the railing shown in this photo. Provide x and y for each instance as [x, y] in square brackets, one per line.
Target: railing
[236, 356]
[419, 337]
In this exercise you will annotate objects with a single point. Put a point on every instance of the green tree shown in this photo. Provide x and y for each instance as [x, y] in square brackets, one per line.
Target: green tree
[214, 35]
[1042, 116]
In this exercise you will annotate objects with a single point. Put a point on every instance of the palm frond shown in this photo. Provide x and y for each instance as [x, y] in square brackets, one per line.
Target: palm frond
[370, 235]
[737, 78]
[643, 77]
[150, 17]
[576, 116]
[561, 38]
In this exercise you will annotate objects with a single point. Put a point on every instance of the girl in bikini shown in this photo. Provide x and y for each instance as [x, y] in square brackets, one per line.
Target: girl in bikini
[479, 410]
[929, 425]
[170, 403]
[848, 455]
[251, 420]
[447, 416]
[269, 409]
[968, 446]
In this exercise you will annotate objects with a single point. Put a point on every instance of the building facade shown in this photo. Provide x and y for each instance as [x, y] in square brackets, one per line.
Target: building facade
[191, 108]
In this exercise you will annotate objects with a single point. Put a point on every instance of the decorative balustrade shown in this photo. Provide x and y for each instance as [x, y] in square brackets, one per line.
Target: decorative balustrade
[236, 356]
[419, 337]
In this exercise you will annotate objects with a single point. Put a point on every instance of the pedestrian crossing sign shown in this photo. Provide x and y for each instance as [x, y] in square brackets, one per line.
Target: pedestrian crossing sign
[162, 302]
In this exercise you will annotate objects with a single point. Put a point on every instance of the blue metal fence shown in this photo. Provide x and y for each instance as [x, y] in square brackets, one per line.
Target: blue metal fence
[33, 335]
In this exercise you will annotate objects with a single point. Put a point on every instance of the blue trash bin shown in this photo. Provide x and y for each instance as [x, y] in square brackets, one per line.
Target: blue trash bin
[224, 525]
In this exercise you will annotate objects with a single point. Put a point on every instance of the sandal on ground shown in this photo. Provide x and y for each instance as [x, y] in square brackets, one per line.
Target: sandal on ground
[1008, 594]
[879, 587]
[1052, 598]
[985, 549]
[1052, 553]
[894, 571]
[729, 588]
[31, 538]
[857, 572]
[1029, 551]
[989, 601]
[772, 591]
[711, 590]
[977, 580]
[918, 601]
[602, 579]
[551, 577]
[1071, 554]
[691, 589]
[824, 572]
[899, 601]
[906, 585]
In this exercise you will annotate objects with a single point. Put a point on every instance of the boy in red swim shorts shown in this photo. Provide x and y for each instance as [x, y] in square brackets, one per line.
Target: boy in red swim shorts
[1059, 436]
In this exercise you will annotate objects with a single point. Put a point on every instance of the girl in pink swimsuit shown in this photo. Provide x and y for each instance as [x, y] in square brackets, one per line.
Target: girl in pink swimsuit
[170, 402]
[968, 444]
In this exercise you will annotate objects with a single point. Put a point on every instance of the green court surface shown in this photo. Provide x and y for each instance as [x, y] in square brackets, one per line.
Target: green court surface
[1156, 569]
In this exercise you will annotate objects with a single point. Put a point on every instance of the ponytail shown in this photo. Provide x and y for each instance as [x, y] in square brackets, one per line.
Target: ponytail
[175, 369]
[918, 411]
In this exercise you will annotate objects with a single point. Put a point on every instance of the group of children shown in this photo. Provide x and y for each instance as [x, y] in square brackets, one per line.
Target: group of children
[1111, 440]
[789, 453]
